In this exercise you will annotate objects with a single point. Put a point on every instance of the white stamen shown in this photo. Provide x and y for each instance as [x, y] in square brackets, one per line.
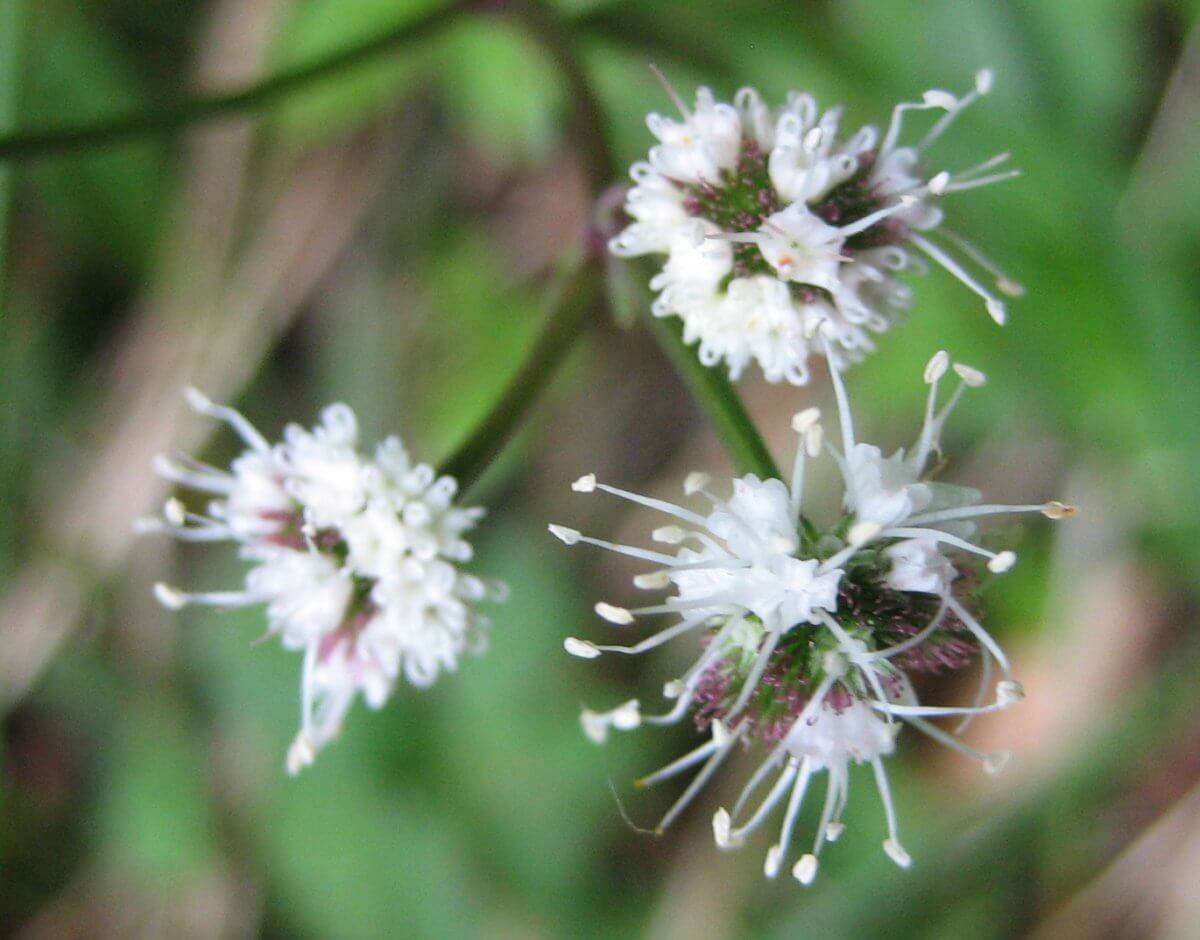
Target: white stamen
[996, 763]
[1005, 284]
[892, 845]
[773, 861]
[568, 535]
[937, 366]
[813, 438]
[660, 504]
[697, 783]
[174, 512]
[585, 484]
[300, 755]
[581, 648]
[614, 614]
[938, 98]
[628, 716]
[171, 598]
[669, 534]
[972, 377]
[802, 421]
[721, 825]
[862, 532]
[695, 482]
[197, 400]
[1002, 562]
[805, 870]
[991, 509]
[209, 482]
[994, 307]
[980, 634]
[202, 404]
[896, 853]
[677, 766]
[595, 725]
[1056, 510]
[652, 581]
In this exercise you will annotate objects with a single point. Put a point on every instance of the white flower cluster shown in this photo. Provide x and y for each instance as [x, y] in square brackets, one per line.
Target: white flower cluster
[356, 558]
[775, 227]
[794, 656]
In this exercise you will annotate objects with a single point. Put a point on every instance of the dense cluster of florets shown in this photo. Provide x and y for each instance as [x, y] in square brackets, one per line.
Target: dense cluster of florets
[811, 637]
[776, 228]
[881, 617]
[355, 557]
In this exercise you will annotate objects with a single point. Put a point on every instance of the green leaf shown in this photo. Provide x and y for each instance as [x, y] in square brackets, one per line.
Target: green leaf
[153, 817]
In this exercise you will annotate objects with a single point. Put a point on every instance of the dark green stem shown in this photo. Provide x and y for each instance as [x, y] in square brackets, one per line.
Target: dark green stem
[110, 131]
[589, 128]
[569, 302]
[716, 396]
[12, 21]
[710, 388]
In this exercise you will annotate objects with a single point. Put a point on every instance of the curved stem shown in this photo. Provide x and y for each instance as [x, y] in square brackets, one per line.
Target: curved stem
[588, 127]
[719, 401]
[572, 296]
[570, 299]
[109, 131]
[710, 388]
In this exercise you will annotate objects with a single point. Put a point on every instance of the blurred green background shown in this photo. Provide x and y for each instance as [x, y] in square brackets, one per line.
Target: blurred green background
[381, 234]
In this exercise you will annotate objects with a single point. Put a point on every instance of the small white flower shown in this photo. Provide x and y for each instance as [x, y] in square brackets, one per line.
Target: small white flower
[810, 633]
[775, 227]
[917, 565]
[355, 557]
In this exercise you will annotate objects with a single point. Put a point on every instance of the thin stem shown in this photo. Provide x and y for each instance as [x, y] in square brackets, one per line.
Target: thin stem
[711, 389]
[573, 295]
[108, 131]
[12, 20]
[569, 300]
[588, 124]
[717, 398]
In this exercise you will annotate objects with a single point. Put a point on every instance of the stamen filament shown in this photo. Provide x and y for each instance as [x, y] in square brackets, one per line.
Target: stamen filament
[699, 781]
[679, 512]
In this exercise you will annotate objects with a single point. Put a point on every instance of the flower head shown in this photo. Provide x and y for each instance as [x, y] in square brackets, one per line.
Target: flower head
[355, 557]
[809, 636]
[775, 226]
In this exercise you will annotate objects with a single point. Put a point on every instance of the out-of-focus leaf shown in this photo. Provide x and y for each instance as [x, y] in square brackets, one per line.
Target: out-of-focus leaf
[500, 87]
[153, 817]
[514, 749]
[479, 328]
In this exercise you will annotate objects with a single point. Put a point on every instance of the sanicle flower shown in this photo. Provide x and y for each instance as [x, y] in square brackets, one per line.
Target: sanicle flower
[809, 635]
[774, 225]
[356, 558]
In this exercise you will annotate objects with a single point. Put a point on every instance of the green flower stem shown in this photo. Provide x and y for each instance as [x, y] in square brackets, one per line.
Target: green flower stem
[589, 126]
[716, 396]
[570, 300]
[12, 16]
[710, 388]
[38, 143]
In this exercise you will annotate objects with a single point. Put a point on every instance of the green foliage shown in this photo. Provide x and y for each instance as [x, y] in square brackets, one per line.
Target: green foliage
[477, 807]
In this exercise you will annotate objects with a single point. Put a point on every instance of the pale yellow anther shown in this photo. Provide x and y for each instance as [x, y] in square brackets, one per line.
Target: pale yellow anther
[1056, 510]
